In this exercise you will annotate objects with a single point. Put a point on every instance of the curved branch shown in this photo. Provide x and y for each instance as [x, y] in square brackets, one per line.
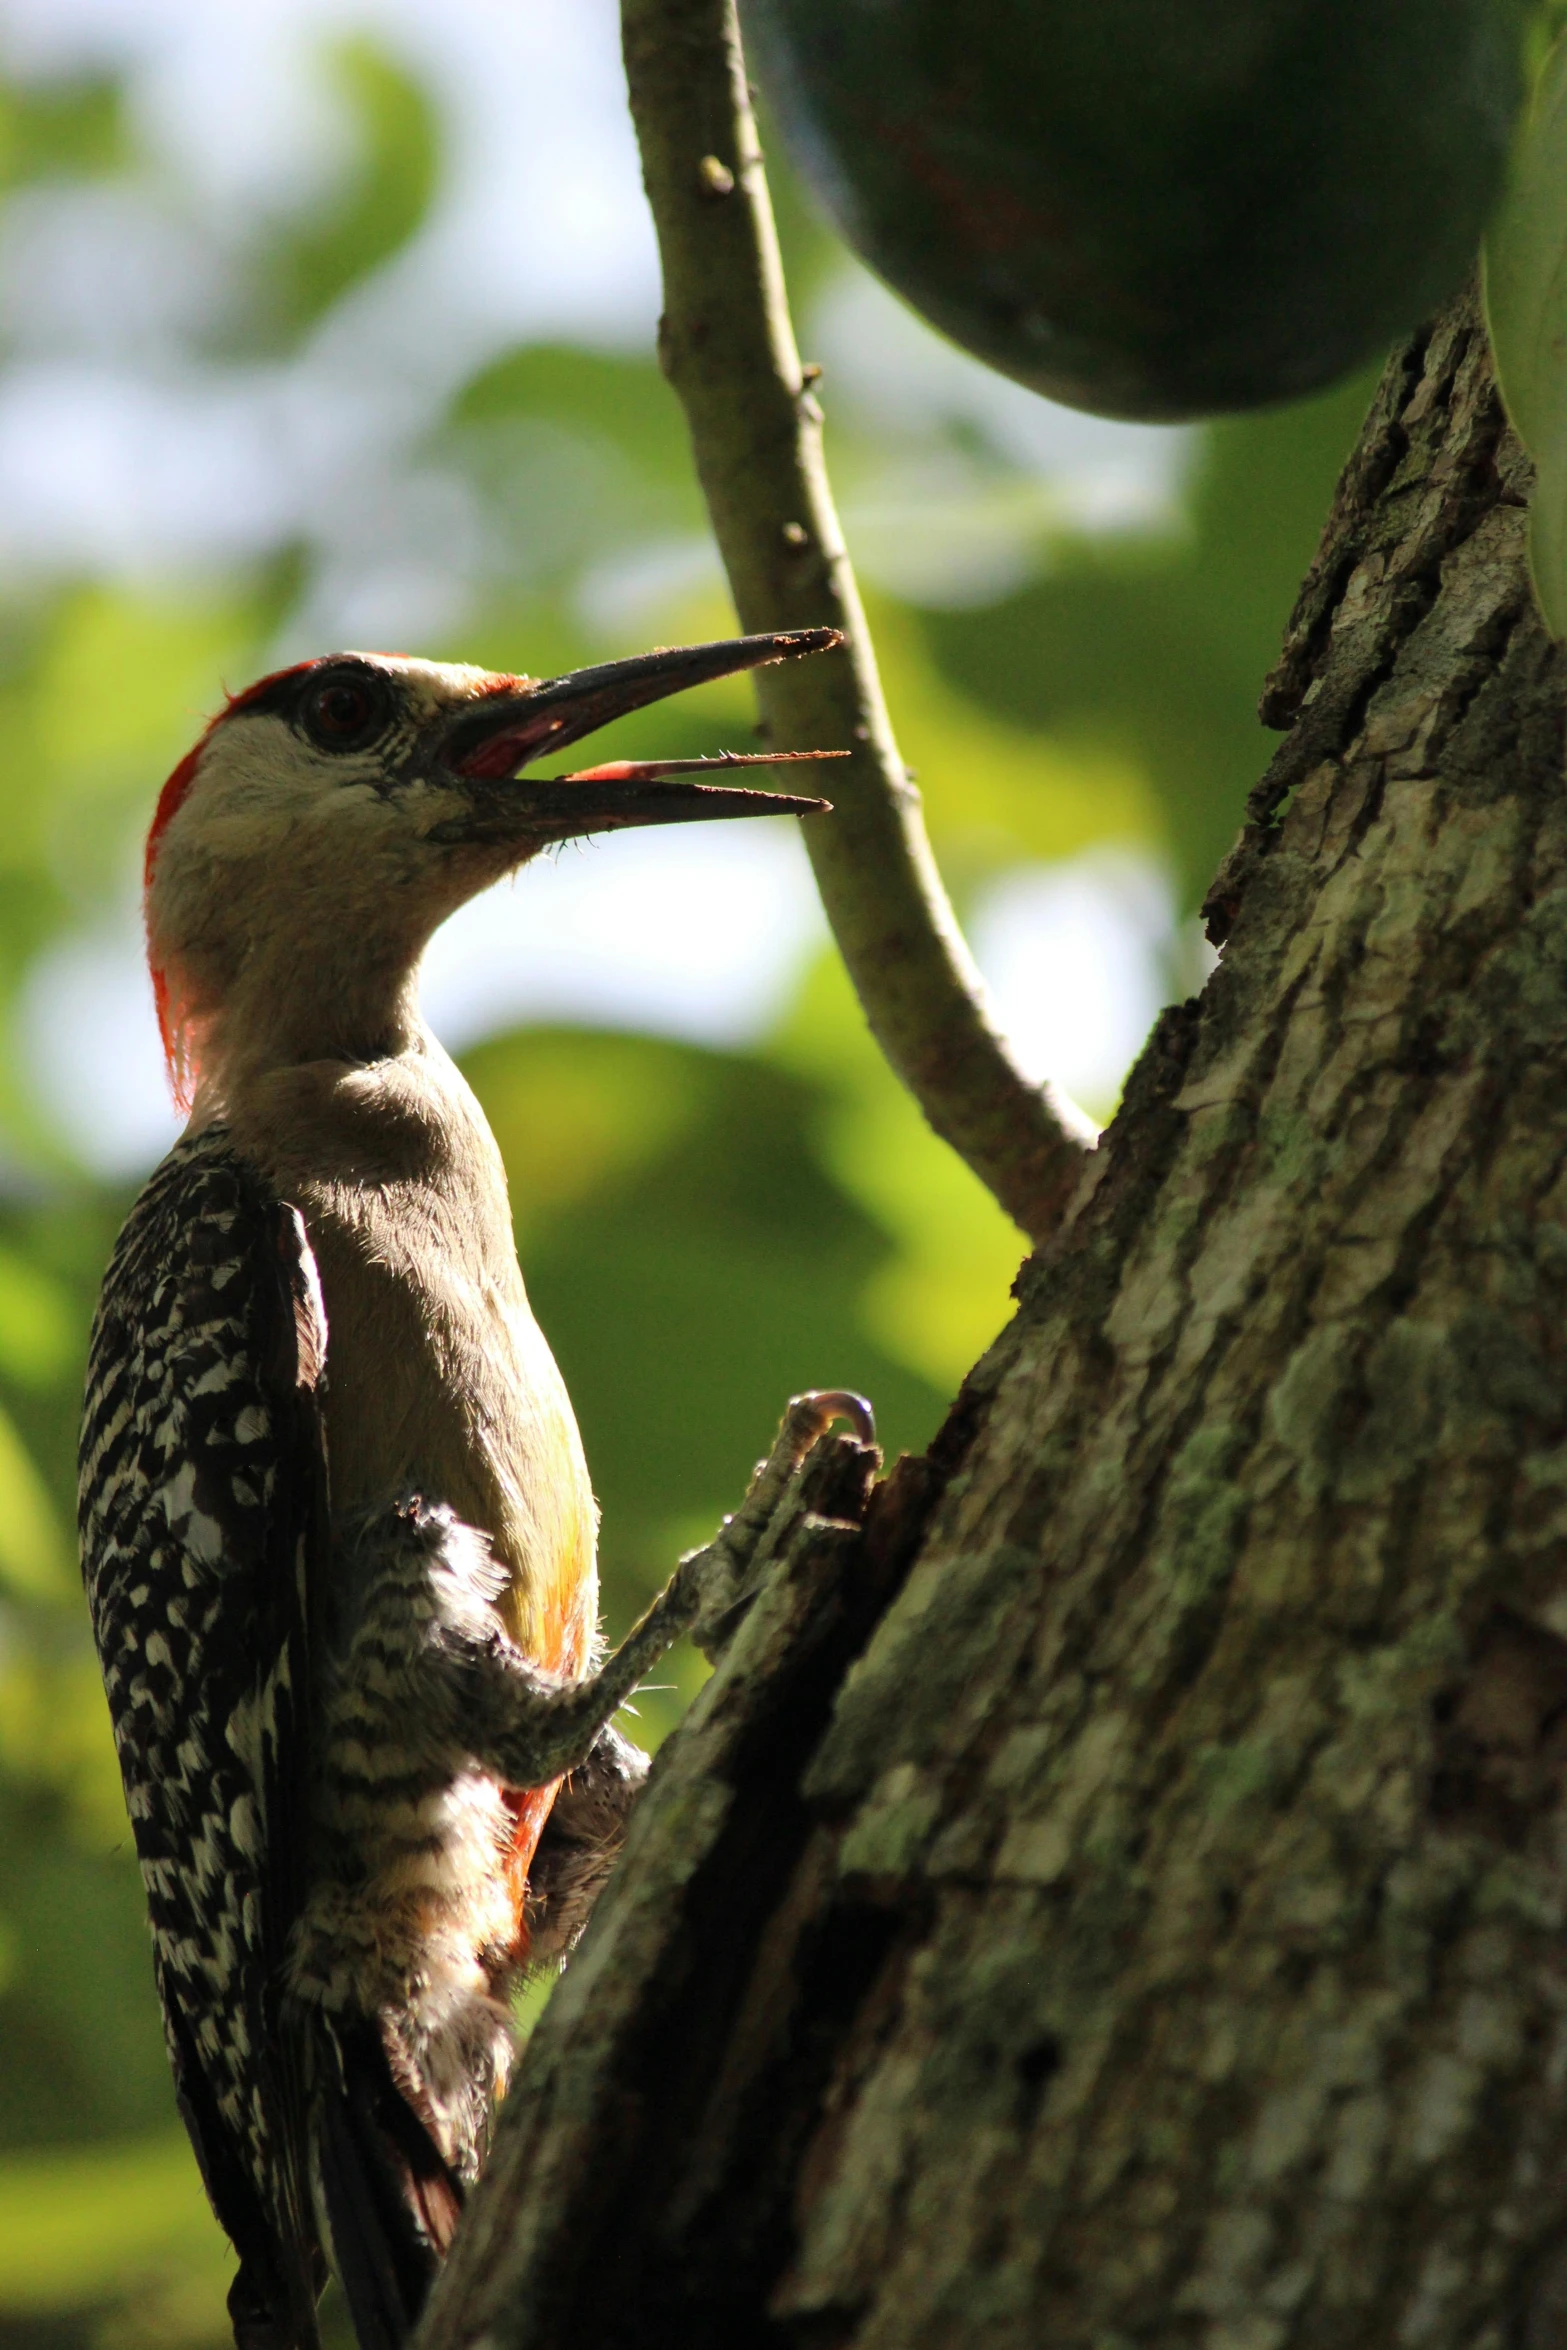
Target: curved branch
[727, 346]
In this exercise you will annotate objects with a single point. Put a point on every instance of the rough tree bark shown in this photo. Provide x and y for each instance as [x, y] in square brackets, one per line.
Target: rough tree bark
[1117, 1896]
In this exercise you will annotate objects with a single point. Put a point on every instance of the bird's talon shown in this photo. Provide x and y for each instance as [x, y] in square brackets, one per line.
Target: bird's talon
[839, 1403]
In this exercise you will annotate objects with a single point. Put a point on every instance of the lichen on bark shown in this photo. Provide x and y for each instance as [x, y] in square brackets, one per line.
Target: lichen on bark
[1150, 1920]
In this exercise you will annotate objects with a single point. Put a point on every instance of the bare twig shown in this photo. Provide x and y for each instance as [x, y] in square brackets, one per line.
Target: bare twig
[728, 348]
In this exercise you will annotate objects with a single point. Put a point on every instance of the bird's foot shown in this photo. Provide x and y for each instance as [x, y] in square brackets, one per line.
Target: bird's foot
[429, 1677]
[728, 1571]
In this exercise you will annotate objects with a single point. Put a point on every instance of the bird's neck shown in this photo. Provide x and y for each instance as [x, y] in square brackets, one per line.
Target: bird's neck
[334, 1001]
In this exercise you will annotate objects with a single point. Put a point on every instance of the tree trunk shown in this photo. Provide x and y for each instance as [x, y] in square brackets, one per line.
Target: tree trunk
[1117, 1896]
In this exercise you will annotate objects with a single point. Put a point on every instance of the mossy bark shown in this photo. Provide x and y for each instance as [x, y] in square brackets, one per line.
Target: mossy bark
[1119, 1895]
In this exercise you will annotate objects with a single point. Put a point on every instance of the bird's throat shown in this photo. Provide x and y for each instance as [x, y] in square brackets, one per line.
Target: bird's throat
[299, 1011]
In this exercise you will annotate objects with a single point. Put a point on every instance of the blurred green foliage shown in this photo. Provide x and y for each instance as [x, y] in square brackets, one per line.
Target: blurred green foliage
[1159, 650]
[703, 1231]
[73, 130]
[312, 258]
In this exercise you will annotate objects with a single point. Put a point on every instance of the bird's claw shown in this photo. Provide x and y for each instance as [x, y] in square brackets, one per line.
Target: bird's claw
[727, 1571]
[820, 1406]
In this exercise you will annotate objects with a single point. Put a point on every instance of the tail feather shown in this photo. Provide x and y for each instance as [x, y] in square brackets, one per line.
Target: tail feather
[272, 2301]
[259, 2321]
[391, 2199]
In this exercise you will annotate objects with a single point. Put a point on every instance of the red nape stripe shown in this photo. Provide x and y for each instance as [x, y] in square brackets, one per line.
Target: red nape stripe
[175, 791]
[263, 685]
[178, 1055]
[169, 800]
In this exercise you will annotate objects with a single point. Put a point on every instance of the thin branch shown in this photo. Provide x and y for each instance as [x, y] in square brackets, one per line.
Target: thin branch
[728, 348]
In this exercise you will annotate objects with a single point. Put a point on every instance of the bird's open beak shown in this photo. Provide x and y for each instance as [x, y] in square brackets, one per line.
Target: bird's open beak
[493, 738]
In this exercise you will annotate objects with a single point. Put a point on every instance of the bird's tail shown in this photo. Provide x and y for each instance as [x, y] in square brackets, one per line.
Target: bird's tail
[390, 2200]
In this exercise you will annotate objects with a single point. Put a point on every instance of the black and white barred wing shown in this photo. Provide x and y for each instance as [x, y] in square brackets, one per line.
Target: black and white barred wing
[202, 1510]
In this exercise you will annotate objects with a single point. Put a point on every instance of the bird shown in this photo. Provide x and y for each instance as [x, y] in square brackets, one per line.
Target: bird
[337, 1528]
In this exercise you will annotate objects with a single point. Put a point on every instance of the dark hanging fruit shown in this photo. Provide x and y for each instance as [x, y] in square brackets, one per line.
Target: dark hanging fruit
[1153, 208]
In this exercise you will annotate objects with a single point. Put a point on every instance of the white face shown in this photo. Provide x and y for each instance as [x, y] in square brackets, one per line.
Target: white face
[348, 750]
[320, 810]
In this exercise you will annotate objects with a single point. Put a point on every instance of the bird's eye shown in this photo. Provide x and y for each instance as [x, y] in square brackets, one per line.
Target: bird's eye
[346, 713]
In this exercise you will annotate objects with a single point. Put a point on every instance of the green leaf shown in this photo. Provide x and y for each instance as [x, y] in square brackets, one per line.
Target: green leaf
[625, 401]
[33, 1557]
[1149, 648]
[65, 129]
[384, 200]
[1526, 306]
[575, 458]
[37, 1325]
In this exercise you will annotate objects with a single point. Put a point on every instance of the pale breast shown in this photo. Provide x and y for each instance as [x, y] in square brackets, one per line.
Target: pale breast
[439, 1379]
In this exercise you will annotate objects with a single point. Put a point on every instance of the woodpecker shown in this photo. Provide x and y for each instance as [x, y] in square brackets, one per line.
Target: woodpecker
[337, 1529]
